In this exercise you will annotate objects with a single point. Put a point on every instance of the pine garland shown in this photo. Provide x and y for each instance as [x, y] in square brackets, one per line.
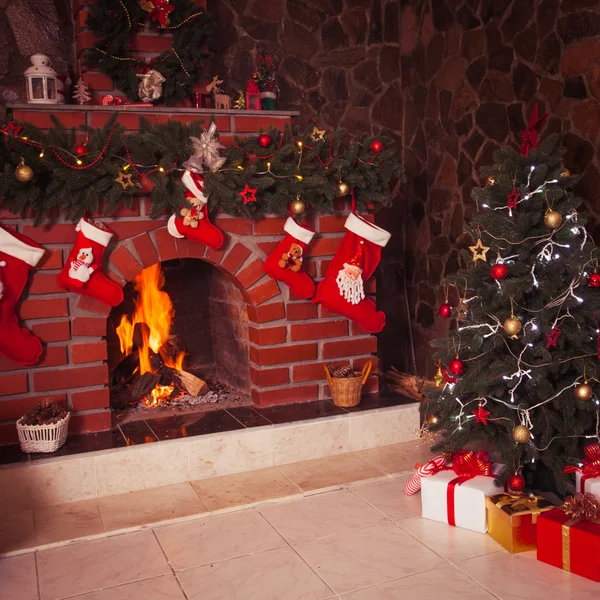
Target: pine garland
[293, 165]
[182, 65]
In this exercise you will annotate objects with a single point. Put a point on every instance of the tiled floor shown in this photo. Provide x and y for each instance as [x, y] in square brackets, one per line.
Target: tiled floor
[361, 541]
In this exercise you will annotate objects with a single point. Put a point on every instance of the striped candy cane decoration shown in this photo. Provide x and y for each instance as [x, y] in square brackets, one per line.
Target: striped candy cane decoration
[413, 485]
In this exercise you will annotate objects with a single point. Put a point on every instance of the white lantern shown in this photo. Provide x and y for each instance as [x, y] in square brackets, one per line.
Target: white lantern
[41, 81]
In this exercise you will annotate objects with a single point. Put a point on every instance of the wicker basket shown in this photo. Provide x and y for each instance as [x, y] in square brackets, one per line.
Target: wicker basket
[43, 438]
[345, 391]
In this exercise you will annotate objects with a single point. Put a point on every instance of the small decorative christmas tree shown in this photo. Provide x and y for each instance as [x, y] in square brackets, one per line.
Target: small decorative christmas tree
[266, 81]
[81, 92]
[517, 370]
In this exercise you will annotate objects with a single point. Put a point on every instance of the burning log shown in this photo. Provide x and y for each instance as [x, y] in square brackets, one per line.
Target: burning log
[193, 385]
[143, 385]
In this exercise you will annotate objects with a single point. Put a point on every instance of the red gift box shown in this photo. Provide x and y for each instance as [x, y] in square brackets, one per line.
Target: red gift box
[569, 544]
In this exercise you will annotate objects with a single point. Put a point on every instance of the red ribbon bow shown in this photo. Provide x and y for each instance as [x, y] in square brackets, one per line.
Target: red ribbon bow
[161, 11]
[529, 137]
[591, 465]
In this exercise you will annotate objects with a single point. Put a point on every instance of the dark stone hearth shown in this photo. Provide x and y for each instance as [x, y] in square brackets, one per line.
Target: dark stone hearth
[333, 35]
[304, 14]
[473, 44]
[515, 117]
[473, 144]
[391, 23]
[546, 17]
[579, 152]
[526, 43]
[493, 8]
[375, 25]
[492, 119]
[299, 72]
[465, 168]
[463, 126]
[579, 25]
[425, 316]
[476, 71]
[346, 57]
[501, 59]
[389, 63]
[365, 73]
[467, 19]
[258, 29]
[549, 54]
[496, 87]
[518, 18]
[355, 24]
[435, 54]
[333, 84]
[524, 82]
[271, 10]
[575, 88]
[442, 15]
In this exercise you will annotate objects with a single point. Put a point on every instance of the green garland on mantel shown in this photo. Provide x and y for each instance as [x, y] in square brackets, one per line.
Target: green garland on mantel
[293, 164]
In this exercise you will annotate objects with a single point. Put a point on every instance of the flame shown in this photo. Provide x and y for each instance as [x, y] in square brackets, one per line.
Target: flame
[153, 307]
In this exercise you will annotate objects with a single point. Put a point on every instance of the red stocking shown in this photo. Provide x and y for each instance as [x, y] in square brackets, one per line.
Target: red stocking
[18, 255]
[342, 290]
[82, 272]
[193, 223]
[285, 262]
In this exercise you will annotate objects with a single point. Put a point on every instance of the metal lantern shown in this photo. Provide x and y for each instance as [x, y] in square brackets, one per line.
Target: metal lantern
[41, 81]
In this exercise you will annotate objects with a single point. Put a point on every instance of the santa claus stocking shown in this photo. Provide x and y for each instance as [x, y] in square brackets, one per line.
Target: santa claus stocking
[285, 262]
[193, 223]
[342, 290]
[18, 255]
[82, 272]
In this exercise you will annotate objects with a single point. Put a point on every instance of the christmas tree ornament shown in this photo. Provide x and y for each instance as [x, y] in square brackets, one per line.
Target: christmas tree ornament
[23, 172]
[286, 261]
[438, 378]
[456, 366]
[18, 255]
[516, 482]
[343, 188]
[499, 271]
[481, 415]
[565, 173]
[491, 180]
[425, 437]
[357, 257]
[240, 102]
[158, 10]
[124, 179]
[297, 206]
[432, 419]
[584, 391]
[248, 194]
[81, 92]
[264, 140]
[11, 129]
[552, 219]
[593, 280]
[81, 150]
[194, 223]
[207, 150]
[552, 338]
[512, 326]
[479, 251]
[82, 273]
[317, 135]
[376, 146]
[448, 379]
[445, 310]
[529, 137]
[150, 87]
[462, 310]
[512, 199]
[521, 434]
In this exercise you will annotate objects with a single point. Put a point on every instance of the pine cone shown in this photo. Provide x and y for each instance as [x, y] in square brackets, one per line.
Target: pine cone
[45, 413]
[342, 372]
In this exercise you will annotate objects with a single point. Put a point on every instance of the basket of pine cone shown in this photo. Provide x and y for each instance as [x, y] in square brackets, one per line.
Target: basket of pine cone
[346, 384]
[43, 428]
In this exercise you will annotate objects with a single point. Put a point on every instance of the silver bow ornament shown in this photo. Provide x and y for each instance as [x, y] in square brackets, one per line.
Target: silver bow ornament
[206, 152]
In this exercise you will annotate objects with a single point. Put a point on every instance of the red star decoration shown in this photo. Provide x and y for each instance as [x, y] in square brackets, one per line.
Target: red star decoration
[248, 194]
[553, 337]
[529, 137]
[11, 129]
[449, 378]
[512, 198]
[481, 414]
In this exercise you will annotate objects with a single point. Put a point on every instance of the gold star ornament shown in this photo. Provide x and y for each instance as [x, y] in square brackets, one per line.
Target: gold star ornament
[479, 251]
[125, 180]
[318, 135]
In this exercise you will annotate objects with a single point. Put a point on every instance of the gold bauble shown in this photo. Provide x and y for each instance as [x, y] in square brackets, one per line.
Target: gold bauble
[491, 180]
[565, 173]
[344, 188]
[512, 325]
[584, 392]
[521, 434]
[552, 219]
[298, 207]
[24, 172]
[432, 420]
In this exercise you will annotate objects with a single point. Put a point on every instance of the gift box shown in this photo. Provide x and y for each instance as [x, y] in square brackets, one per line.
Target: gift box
[457, 494]
[512, 520]
[587, 475]
[569, 543]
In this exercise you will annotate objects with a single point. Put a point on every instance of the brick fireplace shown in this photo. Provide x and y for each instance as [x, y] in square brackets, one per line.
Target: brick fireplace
[286, 339]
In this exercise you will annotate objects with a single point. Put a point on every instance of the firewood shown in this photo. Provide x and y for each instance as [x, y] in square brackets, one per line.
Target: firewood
[407, 384]
[124, 370]
[143, 385]
[193, 385]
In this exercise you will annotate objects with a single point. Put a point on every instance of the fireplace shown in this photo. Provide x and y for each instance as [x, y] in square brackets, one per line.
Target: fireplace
[180, 338]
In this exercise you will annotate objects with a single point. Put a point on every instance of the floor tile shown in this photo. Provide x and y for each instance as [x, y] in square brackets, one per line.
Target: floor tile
[202, 541]
[89, 566]
[158, 588]
[388, 497]
[17, 530]
[248, 417]
[512, 576]
[274, 575]
[397, 458]
[288, 413]
[172, 428]
[320, 515]
[137, 432]
[453, 543]
[67, 521]
[383, 399]
[425, 586]
[150, 506]
[356, 559]
[18, 579]
[244, 488]
[331, 471]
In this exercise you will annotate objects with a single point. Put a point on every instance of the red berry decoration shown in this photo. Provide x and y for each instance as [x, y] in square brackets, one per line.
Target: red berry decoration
[593, 280]
[499, 271]
[376, 146]
[457, 366]
[516, 483]
[81, 150]
[264, 140]
[445, 310]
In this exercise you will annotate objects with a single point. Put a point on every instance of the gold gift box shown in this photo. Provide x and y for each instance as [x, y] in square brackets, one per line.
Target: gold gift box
[512, 520]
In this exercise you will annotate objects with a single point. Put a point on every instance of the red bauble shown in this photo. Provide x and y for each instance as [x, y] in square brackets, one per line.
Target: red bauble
[593, 280]
[457, 366]
[445, 310]
[81, 150]
[264, 140]
[499, 271]
[147, 184]
[516, 483]
[376, 146]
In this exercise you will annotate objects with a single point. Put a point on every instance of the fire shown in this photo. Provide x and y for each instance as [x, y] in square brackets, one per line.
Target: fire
[153, 307]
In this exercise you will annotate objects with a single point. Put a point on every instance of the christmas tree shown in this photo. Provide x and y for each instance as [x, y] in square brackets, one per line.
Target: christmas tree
[519, 366]
[81, 92]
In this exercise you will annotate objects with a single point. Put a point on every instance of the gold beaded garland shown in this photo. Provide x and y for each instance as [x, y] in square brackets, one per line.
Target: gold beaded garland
[584, 391]
[552, 219]
[298, 207]
[24, 172]
[521, 434]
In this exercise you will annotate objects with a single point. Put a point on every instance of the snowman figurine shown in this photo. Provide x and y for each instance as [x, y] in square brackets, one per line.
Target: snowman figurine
[81, 268]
